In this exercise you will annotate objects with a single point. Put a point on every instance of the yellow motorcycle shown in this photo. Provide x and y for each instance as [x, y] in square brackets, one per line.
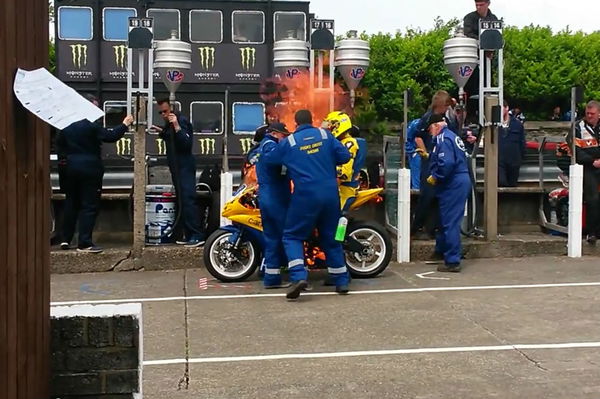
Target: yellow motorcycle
[234, 252]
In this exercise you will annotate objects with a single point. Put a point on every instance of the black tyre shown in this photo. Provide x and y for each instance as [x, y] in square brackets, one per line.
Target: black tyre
[229, 264]
[210, 211]
[377, 254]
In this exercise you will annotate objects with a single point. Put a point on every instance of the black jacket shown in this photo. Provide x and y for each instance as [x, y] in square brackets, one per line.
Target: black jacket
[83, 140]
[471, 23]
[511, 143]
[183, 140]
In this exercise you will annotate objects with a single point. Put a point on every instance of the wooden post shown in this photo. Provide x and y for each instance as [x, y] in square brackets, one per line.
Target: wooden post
[139, 185]
[24, 209]
[491, 173]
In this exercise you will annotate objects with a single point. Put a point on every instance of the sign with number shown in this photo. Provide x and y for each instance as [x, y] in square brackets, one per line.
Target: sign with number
[140, 33]
[490, 35]
[496, 25]
[323, 24]
[147, 23]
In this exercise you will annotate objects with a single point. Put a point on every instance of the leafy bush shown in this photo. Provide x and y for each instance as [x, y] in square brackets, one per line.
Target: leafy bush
[540, 69]
[412, 60]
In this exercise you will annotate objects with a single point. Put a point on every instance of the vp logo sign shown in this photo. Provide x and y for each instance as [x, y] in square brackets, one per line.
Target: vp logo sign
[292, 73]
[175, 75]
[465, 71]
[357, 73]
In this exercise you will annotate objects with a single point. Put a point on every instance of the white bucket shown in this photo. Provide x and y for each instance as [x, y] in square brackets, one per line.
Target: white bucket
[160, 217]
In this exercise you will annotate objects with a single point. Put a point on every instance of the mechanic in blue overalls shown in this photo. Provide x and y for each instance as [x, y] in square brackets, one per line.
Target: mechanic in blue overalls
[423, 218]
[311, 156]
[273, 199]
[449, 173]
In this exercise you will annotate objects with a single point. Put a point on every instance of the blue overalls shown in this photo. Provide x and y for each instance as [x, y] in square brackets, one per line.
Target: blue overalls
[183, 173]
[273, 198]
[448, 165]
[414, 159]
[426, 202]
[311, 156]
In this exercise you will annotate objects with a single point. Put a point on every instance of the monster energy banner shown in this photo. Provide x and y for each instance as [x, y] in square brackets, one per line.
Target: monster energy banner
[245, 143]
[203, 145]
[77, 61]
[208, 144]
[124, 146]
[229, 63]
[114, 62]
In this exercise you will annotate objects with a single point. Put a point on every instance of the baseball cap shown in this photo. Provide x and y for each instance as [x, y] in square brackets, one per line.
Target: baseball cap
[435, 118]
[278, 127]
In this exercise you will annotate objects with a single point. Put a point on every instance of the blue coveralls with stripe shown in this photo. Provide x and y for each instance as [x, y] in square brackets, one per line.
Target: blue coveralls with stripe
[311, 156]
[273, 198]
[449, 166]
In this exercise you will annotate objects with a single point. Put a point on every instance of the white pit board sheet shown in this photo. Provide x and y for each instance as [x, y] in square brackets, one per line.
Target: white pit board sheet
[51, 100]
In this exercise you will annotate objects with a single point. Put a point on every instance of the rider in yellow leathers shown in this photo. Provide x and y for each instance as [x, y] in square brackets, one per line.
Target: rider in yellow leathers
[340, 125]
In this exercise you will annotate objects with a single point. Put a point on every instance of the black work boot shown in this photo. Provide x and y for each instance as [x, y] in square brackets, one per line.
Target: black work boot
[294, 291]
[449, 268]
[435, 258]
[342, 289]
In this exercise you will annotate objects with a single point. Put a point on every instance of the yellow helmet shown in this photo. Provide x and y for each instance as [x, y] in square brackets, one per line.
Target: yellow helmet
[338, 123]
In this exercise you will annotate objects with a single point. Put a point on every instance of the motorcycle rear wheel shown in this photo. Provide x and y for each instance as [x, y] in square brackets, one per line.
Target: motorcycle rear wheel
[377, 254]
[229, 264]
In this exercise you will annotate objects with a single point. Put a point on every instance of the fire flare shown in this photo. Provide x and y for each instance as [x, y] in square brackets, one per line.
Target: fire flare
[286, 96]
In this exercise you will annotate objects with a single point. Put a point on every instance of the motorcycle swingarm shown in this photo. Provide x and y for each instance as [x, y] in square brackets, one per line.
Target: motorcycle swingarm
[353, 245]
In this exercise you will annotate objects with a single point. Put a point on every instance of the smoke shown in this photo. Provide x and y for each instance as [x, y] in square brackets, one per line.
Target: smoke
[284, 96]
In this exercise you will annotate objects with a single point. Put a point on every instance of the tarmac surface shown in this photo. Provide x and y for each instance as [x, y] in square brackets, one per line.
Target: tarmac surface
[503, 328]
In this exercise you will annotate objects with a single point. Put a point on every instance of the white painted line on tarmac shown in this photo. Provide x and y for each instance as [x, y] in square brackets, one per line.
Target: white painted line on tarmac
[425, 276]
[362, 292]
[329, 355]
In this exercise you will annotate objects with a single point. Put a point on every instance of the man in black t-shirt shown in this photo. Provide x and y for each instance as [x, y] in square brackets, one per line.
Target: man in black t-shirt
[471, 30]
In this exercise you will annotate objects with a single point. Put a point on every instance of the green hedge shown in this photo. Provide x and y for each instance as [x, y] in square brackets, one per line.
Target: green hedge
[540, 69]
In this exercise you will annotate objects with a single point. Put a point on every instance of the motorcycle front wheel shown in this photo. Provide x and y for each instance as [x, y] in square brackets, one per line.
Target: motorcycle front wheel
[227, 263]
[376, 253]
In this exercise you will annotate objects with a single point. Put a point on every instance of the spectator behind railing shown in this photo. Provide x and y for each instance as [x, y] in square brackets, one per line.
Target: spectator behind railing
[587, 151]
[518, 114]
[511, 149]
[556, 114]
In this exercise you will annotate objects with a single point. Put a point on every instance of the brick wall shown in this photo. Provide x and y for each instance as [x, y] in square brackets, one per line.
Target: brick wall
[96, 352]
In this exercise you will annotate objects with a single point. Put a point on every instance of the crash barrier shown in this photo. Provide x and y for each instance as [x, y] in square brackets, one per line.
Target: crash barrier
[96, 351]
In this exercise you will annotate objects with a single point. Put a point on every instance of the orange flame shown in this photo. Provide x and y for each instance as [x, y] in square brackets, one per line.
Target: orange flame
[297, 94]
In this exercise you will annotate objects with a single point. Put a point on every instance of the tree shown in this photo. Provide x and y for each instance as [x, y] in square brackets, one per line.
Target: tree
[411, 60]
[540, 68]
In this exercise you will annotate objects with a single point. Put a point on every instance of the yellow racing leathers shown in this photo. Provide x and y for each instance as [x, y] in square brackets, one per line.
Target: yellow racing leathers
[347, 177]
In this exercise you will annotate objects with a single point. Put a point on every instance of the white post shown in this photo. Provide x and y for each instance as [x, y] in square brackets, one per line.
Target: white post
[226, 193]
[575, 210]
[403, 226]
